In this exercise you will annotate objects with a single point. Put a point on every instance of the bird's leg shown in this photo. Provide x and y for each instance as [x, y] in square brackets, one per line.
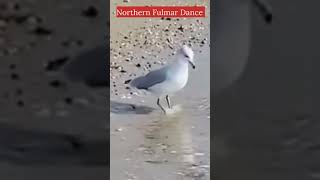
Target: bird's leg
[265, 9]
[168, 101]
[158, 103]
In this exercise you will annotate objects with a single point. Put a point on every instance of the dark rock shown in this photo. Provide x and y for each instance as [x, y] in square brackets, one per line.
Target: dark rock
[181, 28]
[68, 100]
[12, 66]
[56, 64]
[20, 103]
[56, 83]
[90, 12]
[15, 76]
[41, 31]
[127, 81]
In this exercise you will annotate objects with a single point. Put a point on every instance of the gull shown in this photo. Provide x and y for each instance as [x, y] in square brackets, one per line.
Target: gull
[166, 81]
[231, 38]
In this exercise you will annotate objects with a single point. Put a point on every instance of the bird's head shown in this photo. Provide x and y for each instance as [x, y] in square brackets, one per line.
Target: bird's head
[186, 54]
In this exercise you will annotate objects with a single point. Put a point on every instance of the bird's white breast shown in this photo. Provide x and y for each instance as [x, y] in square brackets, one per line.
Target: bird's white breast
[179, 76]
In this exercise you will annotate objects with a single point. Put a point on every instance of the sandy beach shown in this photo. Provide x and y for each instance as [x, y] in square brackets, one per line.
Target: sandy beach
[145, 143]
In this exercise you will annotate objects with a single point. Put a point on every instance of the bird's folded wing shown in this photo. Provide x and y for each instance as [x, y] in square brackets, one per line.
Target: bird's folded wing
[151, 79]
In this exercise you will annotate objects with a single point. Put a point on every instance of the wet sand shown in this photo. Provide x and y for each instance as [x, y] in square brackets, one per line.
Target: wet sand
[51, 127]
[145, 143]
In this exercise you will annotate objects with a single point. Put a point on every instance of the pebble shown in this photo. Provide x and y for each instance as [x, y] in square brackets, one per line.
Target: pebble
[127, 81]
[20, 103]
[56, 64]
[56, 83]
[199, 154]
[68, 100]
[173, 152]
[119, 129]
[90, 12]
[42, 31]
[15, 76]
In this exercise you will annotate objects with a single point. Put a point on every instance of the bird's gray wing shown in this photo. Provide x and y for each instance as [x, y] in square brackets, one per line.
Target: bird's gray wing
[151, 79]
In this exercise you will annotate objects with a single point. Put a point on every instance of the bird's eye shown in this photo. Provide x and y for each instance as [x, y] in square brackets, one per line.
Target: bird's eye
[186, 56]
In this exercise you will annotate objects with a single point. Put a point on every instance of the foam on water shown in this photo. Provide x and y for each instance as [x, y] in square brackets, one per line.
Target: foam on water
[173, 110]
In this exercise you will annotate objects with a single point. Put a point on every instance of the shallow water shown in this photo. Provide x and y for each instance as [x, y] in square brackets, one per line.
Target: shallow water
[146, 144]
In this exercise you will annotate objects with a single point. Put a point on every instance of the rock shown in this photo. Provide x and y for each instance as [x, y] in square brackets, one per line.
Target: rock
[20, 103]
[127, 81]
[56, 64]
[90, 12]
[119, 129]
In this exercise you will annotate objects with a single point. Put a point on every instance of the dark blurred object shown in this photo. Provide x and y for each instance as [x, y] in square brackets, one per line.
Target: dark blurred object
[90, 67]
[231, 39]
[267, 121]
[265, 10]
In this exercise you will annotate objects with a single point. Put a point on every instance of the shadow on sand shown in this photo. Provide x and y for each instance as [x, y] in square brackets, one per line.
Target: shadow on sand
[124, 108]
[35, 147]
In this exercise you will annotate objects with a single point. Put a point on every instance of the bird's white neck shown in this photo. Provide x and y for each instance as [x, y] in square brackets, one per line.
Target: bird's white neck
[179, 65]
